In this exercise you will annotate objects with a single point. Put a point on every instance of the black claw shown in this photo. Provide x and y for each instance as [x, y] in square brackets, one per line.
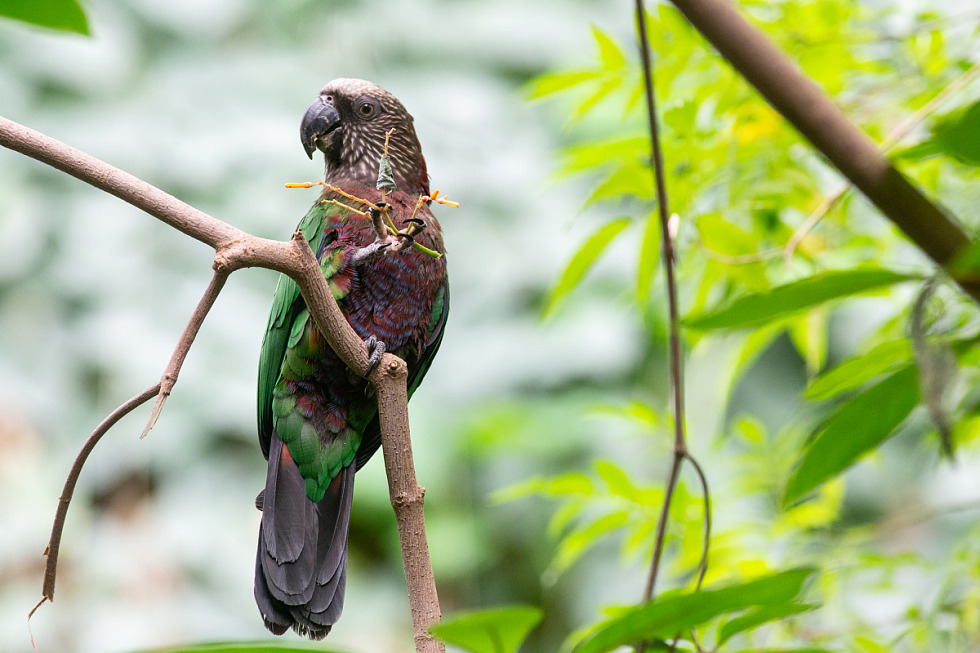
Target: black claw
[419, 221]
[407, 235]
[376, 349]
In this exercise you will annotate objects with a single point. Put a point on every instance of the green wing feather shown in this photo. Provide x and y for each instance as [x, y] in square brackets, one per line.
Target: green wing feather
[287, 307]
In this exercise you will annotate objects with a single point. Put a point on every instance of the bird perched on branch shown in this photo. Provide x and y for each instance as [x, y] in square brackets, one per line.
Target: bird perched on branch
[380, 249]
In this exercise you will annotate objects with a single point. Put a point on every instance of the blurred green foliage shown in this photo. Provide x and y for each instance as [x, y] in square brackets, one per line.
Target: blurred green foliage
[742, 183]
[500, 630]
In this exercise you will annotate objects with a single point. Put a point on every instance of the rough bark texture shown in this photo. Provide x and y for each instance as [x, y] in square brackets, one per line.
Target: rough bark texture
[406, 499]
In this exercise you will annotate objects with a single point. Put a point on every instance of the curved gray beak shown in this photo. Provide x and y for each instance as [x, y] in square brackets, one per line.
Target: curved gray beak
[318, 121]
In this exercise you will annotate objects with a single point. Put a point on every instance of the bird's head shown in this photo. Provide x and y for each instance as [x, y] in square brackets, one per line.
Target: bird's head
[348, 122]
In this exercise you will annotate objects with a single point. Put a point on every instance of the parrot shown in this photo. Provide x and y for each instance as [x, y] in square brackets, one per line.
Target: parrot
[317, 420]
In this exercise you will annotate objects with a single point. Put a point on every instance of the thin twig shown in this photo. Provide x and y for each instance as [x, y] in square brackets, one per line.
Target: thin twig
[703, 564]
[894, 138]
[54, 544]
[676, 365]
[169, 377]
[742, 259]
[676, 370]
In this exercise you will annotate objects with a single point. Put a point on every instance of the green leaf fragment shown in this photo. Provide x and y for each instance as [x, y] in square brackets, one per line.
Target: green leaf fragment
[678, 612]
[576, 543]
[498, 630]
[758, 617]
[244, 647]
[956, 135]
[855, 372]
[610, 55]
[857, 427]
[551, 83]
[649, 257]
[64, 15]
[761, 308]
[583, 260]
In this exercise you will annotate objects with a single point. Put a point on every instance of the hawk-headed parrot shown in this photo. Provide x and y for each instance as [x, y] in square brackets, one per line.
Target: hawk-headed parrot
[318, 421]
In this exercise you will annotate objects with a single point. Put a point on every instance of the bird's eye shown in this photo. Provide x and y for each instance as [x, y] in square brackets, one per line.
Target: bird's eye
[328, 98]
[366, 109]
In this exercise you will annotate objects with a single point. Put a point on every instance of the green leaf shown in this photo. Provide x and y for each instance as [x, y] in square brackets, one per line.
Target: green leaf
[756, 618]
[753, 310]
[583, 259]
[609, 84]
[616, 479]
[574, 545]
[64, 15]
[610, 54]
[649, 256]
[632, 179]
[855, 372]
[498, 630]
[600, 154]
[552, 83]
[784, 650]
[634, 410]
[956, 135]
[568, 484]
[243, 647]
[673, 613]
[857, 427]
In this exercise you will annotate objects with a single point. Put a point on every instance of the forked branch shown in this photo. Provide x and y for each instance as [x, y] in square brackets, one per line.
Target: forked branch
[681, 452]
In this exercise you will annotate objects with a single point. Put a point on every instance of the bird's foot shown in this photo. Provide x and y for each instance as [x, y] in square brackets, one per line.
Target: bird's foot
[376, 349]
[378, 213]
[415, 227]
[370, 252]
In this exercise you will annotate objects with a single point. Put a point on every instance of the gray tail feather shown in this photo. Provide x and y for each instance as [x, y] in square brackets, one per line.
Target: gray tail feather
[301, 562]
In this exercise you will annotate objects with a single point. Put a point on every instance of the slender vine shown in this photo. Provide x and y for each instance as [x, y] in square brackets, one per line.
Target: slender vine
[676, 363]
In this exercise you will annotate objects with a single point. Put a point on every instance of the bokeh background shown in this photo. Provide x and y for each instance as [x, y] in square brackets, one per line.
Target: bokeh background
[203, 99]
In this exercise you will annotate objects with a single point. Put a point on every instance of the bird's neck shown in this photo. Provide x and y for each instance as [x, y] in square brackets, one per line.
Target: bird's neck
[364, 171]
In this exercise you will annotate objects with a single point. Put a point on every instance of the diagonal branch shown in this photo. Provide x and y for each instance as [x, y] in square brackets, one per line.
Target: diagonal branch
[235, 249]
[809, 109]
[169, 377]
[894, 138]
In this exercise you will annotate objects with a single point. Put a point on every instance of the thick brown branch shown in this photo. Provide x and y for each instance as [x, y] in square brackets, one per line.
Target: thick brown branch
[390, 380]
[809, 109]
[123, 185]
[235, 249]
